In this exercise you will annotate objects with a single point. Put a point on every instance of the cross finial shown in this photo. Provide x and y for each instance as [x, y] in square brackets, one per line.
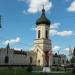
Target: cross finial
[43, 6]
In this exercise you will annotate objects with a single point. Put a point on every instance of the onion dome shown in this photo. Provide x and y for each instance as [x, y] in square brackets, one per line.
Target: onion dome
[43, 19]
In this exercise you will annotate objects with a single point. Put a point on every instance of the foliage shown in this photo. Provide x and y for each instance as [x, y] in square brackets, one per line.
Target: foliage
[74, 52]
[73, 60]
[73, 57]
[29, 68]
[23, 72]
[73, 71]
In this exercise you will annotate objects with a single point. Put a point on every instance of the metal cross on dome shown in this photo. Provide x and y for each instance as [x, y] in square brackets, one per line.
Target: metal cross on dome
[43, 7]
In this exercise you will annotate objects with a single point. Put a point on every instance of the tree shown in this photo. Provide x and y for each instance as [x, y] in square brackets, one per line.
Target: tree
[73, 60]
[73, 57]
[67, 61]
[74, 52]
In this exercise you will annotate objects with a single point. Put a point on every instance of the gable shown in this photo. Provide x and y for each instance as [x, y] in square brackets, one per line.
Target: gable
[38, 48]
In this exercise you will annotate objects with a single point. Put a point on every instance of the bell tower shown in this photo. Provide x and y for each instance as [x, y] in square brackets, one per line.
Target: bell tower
[42, 43]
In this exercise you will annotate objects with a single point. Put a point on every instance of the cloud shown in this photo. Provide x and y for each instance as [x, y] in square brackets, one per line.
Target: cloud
[12, 41]
[55, 26]
[65, 33]
[67, 49]
[19, 49]
[36, 5]
[62, 33]
[71, 8]
[56, 48]
[54, 31]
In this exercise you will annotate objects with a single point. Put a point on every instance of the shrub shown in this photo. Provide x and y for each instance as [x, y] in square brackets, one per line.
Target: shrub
[29, 68]
[73, 71]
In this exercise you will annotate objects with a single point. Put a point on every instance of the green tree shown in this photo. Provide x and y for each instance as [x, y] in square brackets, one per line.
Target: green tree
[74, 52]
[73, 60]
[73, 57]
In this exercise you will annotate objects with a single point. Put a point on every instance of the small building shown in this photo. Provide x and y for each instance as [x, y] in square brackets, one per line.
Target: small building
[59, 59]
[13, 57]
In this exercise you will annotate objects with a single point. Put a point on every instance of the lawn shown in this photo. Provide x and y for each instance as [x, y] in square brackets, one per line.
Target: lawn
[23, 72]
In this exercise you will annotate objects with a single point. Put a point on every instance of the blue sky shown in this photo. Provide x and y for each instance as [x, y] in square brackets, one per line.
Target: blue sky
[19, 18]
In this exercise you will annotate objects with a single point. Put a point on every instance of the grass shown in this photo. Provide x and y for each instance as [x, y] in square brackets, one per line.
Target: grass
[23, 72]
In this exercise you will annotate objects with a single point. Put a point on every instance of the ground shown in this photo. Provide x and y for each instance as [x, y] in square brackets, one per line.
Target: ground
[23, 72]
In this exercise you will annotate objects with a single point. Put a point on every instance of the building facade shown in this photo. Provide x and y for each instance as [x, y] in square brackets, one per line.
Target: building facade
[59, 59]
[10, 56]
[13, 57]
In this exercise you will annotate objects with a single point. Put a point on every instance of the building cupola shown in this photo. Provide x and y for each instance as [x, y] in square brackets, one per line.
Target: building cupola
[43, 19]
[8, 46]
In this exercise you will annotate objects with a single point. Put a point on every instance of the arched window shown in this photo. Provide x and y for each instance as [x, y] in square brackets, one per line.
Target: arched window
[54, 62]
[38, 33]
[46, 34]
[37, 50]
[39, 62]
[63, 61]
[6, 59]
[31, 59]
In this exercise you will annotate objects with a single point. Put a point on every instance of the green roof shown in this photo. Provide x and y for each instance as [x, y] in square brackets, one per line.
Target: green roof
[43, 19]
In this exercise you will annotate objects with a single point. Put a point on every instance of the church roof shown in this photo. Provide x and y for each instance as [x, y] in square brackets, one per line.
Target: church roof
[43, 19]
[56, 55]
[20, 52]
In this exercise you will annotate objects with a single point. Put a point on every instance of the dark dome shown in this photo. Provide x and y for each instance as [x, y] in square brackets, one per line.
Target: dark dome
[43, 19]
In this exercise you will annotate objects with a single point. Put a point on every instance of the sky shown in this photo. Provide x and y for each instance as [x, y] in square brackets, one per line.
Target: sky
[19, 22]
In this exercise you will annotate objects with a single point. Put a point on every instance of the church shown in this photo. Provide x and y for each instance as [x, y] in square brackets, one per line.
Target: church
[42, 43]
[41, 55]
